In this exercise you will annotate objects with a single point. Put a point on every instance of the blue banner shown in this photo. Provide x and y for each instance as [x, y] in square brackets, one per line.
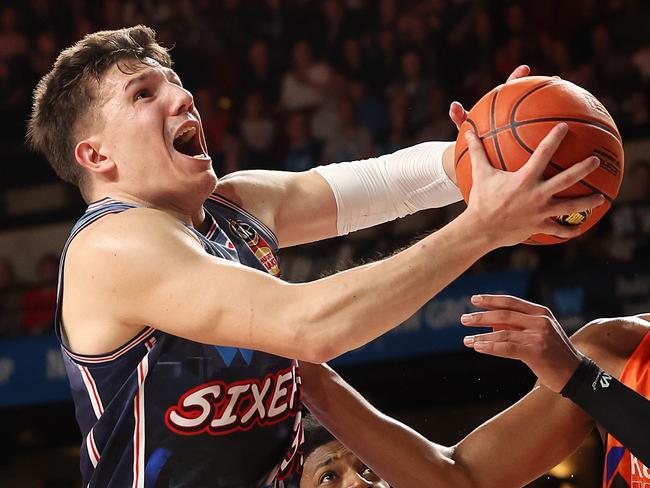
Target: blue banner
[436, 326]
[32, 371]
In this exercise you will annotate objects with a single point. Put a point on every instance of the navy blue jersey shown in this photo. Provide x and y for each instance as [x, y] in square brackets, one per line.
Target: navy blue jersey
[162, 411]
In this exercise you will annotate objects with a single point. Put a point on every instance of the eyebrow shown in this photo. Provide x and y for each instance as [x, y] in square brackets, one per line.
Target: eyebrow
[328, 460]
[141, 77]
[148, 73]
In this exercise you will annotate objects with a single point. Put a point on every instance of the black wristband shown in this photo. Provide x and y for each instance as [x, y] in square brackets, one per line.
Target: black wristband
[620, 410]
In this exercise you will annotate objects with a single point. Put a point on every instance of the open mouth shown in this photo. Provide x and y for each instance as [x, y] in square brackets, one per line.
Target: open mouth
[187, 142]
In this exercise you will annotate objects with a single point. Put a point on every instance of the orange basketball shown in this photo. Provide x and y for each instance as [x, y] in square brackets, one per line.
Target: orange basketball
[512, 120]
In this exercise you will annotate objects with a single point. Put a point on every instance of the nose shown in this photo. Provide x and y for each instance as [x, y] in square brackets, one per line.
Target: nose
[182, 100]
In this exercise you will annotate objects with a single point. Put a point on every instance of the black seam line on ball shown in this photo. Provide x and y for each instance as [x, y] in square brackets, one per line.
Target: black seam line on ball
[513, 112]
[493, 127]
[515, 125]
[460, 156]
[560, 168]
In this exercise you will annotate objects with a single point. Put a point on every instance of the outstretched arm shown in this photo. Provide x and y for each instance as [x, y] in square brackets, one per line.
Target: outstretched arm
[508, 451]
[151, 274]
[340, 198]
[530, 333]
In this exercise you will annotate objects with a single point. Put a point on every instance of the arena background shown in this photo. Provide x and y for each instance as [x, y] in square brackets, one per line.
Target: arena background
[291, 84]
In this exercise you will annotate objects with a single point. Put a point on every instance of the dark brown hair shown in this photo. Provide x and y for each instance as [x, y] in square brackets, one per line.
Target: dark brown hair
[67, 93]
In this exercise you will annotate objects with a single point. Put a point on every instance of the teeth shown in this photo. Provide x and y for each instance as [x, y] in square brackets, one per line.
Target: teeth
[185, 135]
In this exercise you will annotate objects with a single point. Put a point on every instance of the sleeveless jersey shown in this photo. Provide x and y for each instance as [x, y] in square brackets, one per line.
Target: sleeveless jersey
[622, 468]
[162, 411]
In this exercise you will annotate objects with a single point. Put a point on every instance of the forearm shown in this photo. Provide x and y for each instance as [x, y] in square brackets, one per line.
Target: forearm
[348, 309]
[343, 197]
[396, 452]
[620, 410]
[377, 190]
[521, 443]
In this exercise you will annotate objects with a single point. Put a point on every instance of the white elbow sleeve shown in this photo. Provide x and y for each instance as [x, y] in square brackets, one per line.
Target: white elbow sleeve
[378, 190]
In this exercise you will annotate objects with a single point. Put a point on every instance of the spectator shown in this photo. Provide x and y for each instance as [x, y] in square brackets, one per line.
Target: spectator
[304, 85]
[257, 73]
[13, 42]
[303, 152]
[371, 112]
[9, 299]
[415, 85]
[325, 119]
[39, 301]
[630, 219]
[44, 53]
[353, 141]
[257, 130]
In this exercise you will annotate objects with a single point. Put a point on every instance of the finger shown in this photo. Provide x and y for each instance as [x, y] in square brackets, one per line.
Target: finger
[519, 72]
[554, 228]
[500, 349]
[496, 336]
[566, 206]
[542, 155]
[457, 114]
[508, 302]
[505, 319]
[478, 158]
[570, 176]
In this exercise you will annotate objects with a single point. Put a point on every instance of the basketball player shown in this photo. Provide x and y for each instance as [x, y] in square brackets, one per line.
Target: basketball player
[173, 323]
[536, 433]
[328, 463]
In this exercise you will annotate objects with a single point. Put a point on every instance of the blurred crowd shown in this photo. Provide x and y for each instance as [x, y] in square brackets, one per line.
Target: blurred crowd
[289, 84]
[28, 308]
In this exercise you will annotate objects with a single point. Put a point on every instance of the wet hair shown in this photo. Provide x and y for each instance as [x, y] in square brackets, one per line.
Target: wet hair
[66, 96]
[315, 435]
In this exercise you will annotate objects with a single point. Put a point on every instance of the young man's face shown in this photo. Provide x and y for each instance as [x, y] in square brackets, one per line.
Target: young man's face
[152, 131]
[334, 466]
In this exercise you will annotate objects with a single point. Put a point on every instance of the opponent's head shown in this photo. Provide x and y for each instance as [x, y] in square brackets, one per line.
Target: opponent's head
[328, 463]
[113, 114]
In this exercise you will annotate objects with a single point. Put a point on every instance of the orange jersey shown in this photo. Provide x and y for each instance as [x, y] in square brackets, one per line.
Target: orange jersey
[622, 468]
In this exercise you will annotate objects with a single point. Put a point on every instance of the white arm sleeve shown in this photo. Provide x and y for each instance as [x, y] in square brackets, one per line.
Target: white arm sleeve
[378, 190]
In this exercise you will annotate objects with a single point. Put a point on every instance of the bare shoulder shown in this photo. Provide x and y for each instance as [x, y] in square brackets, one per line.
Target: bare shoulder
[256, 191]
[611, 341]
[235, 186]
[133, 228]
[126, 244]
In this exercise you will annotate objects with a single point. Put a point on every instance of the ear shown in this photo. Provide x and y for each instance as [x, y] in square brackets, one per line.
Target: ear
[88, 154]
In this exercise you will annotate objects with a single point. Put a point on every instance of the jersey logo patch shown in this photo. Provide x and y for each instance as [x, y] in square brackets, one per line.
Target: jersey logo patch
[257, 244]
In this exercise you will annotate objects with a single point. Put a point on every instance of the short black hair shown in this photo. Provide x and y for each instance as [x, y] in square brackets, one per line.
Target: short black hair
[315, 435]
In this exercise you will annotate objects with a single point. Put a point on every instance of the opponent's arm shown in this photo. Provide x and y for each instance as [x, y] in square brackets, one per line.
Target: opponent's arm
[530, 333]
[394, 451]
[509, 450]
[620, 410]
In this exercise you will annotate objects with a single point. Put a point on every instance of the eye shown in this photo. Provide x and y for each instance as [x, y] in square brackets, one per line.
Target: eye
[144, 93]
[367, 473]
[327, 477]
